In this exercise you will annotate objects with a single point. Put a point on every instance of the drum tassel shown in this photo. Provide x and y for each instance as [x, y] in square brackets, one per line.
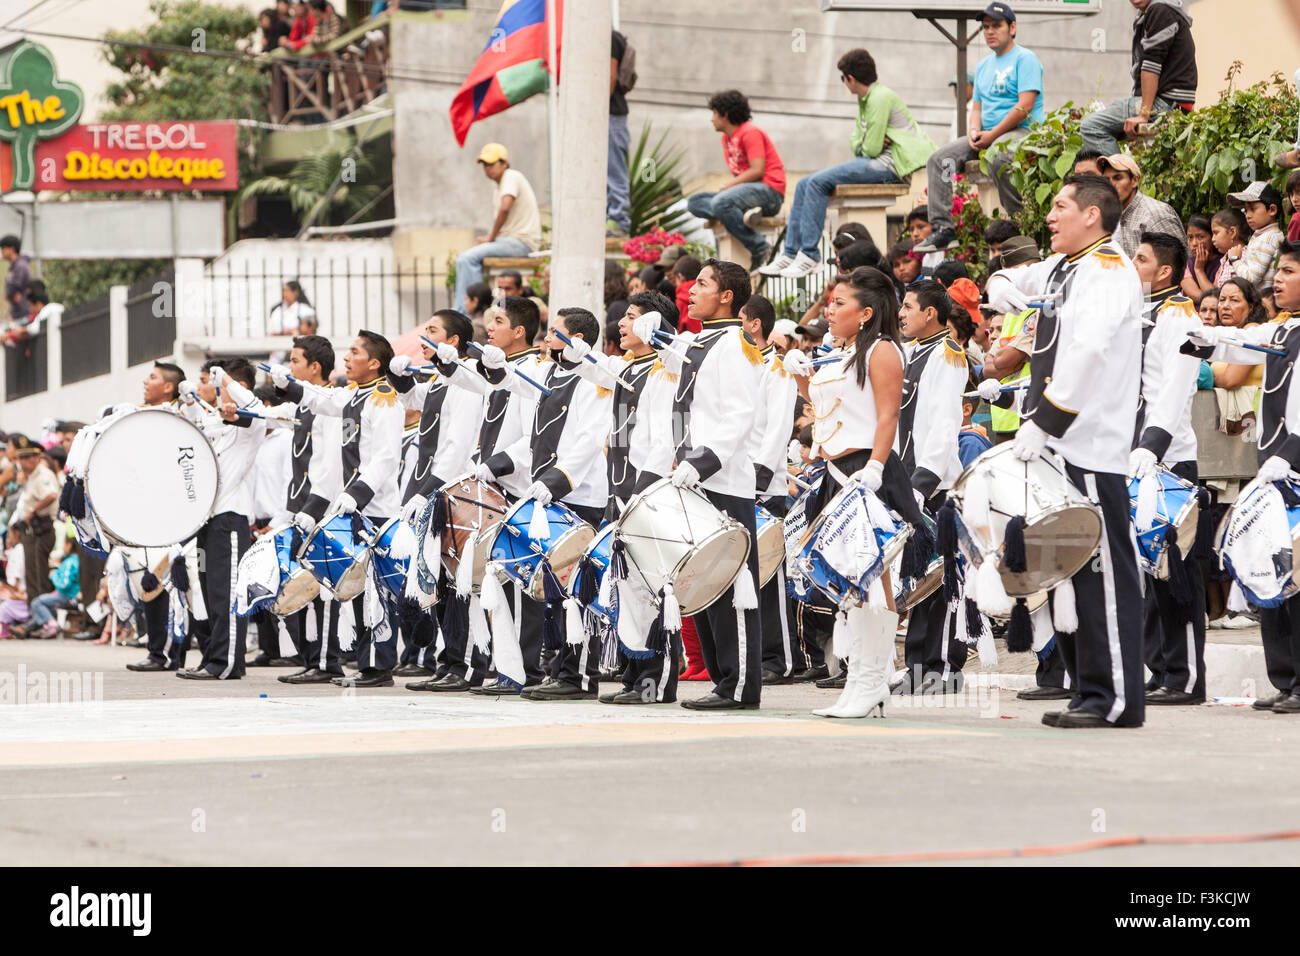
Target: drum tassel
[745, 598]
[552, 638]
[1148, 492]
[505, 648]
[180, 574]
[918, 550]
[1020, 630]
[148, 580]
[478, 624]
[1204, 527]
[974, 621]
[1013, 546]
[990, 593]
[1065, 616]
[539, 526]
[618, 559]
[946, 544]
[574, 630]
[608, 644]
[465, 570]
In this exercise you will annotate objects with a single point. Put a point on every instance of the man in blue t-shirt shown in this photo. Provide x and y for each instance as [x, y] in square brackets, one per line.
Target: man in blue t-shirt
[1008, 98]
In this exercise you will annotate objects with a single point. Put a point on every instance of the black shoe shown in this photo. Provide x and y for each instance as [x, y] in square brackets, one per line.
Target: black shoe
[609, 698]
[941, 240]
[1167, 695]
[772, 677]
[451, 684]
[1044, 693]
[261, 660]
[84, 636]
[1266, 703]
[146, 665]
[634, 697]
[834, 683]
[1080, 719]
[558, 690]
[495, 689]
[412, 670]
[714, 702]
[285, 662]
[197, 673]
[812, 674]
[311, 675]
[1053, 717]
[1288, 705]
[366, 677]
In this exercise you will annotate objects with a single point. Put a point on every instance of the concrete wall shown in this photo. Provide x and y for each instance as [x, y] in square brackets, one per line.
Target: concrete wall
[1223, 35]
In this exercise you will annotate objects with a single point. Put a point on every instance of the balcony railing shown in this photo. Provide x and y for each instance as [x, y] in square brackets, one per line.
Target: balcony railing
[321, 85]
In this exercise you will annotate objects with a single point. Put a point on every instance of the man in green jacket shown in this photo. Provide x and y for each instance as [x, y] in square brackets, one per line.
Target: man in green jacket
[887, 147]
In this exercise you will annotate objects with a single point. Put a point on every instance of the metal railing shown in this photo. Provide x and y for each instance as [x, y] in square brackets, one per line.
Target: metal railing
[150, 330]
[86, 336]
[793, 297]
[27, 367]
[335, 81]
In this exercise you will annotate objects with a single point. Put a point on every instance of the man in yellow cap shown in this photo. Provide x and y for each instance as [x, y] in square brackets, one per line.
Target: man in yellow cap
[516, 226]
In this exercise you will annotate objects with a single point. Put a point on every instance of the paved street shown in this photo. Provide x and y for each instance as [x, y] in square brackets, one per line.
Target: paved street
[166, 771]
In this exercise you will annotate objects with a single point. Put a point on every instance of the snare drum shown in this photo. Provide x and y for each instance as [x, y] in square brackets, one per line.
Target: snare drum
[878, 544]
[1176, 512]
[297, 586]
[591, 569]
[1062, 527]
[258, 578]
[476, 507]
[336, 559]
[391, 553]
[1258, 542]
[525, 561]
[909, 592]
[151, 479]
[771, 543]
[675, 536]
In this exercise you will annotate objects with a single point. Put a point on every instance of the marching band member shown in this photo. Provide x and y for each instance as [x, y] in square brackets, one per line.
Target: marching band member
[856, 406]
[712, 420]
[1174, 613]
[1085, 378]
[225, 537]
[371, 426]
[929, 421]
[563, 457]
[1279, 450]
[411, 662]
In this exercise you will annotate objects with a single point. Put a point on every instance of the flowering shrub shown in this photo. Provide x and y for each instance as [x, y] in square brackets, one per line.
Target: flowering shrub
[649, 246]
[969, 222]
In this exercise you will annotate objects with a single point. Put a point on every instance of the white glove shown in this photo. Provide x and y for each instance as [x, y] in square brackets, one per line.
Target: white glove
[187, 392]
[990, 389]
[304, 522]
[1004, 296]
[685, 474]
[447, 354]
[345, 504]
[493, 357]
[576, 351]
[1141, 462]
[400, 365]
[216, 373]
[796, 363]
[644, 326]
[484, 473]
[279, 375]
[1030, 442]
[870, 476]
[1273, 469]
[539, 493]
[794, 452]
[412, 509]
[1210, 335]
[828, 341]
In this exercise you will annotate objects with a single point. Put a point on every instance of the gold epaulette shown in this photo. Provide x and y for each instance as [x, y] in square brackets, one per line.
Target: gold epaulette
[1109, 256]
[953, 353]
[750, 349]
[1180, 303]
[628, 356]
[603, 392]
[384, 395]
[778, 368]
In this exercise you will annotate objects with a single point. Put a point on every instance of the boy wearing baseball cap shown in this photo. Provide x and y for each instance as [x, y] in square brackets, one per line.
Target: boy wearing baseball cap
[1262, 205]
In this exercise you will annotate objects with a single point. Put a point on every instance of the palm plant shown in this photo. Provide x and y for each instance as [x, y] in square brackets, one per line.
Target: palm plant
[315, 182]
[652, 171]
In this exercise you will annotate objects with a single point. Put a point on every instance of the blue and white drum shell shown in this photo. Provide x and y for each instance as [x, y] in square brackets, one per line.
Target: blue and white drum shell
[391, 553]
[1177, 512]
[297, 586]
[847, 593]
[522, 559]
[771, 543]
[594, 562]
[336, 558]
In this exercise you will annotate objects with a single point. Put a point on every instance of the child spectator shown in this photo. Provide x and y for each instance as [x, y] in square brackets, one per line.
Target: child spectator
[918, 227]
[1207, 307]
[1202, 258]
[1263, 208]
[13, 595]
[304, 25]
[972, 440]
[1293, 197]
[66, 581]
[949, 271]
[904, 264]
[998, 232]
[1229, 233]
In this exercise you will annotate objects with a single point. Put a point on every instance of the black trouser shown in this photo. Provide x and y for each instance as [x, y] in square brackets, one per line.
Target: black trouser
[1104, 656]
[577, 663]
[1051, 669]
[319, 640]
[37, 545]
[813, 625]
[731, 640]
[372, 654]
[931, 645]
[90, 572]
[655, 677]
[781, 651]
[459, 656]
[223, 541]
[1174, 633]
[1280, 629]
[418, 640]
[162, 649]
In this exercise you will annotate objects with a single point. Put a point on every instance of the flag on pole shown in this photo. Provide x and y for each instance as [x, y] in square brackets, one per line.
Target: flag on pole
[511, 68]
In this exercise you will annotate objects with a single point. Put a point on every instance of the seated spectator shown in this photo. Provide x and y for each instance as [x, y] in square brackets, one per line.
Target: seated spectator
[511, 283]
[19, 277]
[1207, 306]
[287, 314]
[516, 225]
[888, 146]
[685, 271]
[329, 25]
[918, 227]
[998, 232]
[1142, 213]
[13, 592]
[850, 232]
[44, 622]
[273, 29]
[904, 264]
[972, 440]
[1263, 208]
[1202, 258]
[757, 184]
[475, 304]
[1229, 235]
[1087, 162]
[949, 271]
[300, 32]
[1008, 101]
[1239, 306]
[1164, 77]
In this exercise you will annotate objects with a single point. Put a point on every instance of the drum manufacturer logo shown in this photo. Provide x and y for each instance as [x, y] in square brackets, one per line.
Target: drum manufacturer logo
[186, 461]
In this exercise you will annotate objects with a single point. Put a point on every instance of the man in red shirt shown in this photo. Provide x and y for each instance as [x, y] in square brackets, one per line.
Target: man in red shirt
[757, 184]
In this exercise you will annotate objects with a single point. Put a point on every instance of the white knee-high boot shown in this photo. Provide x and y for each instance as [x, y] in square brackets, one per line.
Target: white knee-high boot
[871, 656]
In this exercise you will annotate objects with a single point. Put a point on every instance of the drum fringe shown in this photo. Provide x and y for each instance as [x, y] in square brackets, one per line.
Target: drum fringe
[1201, 549]
[552, 636]
[745, 598]
[1065, 616]
[918, 551]
[946, 545]
[990, 592]
[1020, 630]
[1013, 546]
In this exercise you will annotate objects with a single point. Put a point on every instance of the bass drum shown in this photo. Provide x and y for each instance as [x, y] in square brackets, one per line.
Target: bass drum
[151, 479]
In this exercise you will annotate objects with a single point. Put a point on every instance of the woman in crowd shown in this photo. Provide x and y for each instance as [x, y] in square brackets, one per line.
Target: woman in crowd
[292, 308]
[477, 299]
[1202, 257]
[1207, 306]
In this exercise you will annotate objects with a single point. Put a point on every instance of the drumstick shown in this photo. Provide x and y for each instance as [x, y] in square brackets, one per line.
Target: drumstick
[668, 341]
[248, 413]
[266, 367]
[1013, 387]
[481, 504]
[1246, 345]
[514, 368]
[592, 359]
[802, 484]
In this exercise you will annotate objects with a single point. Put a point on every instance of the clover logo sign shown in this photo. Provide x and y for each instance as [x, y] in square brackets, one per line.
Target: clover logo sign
[34, 104]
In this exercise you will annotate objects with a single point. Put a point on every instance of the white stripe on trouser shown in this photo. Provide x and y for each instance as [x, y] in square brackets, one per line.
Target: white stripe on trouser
[665, 673]
[1191, 659]
[469, 656]
[231, 622]
[785, 625]
[741, 641]
[584, 655]
[1112, 611]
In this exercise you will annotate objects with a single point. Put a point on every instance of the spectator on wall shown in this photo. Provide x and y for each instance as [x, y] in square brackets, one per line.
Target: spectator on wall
[618, 198]
[16, 282]
[516, 224]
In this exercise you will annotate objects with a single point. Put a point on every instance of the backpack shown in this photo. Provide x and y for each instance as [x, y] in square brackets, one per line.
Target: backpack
[626, 68]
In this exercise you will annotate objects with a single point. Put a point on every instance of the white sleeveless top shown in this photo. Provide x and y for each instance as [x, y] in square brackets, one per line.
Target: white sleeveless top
[844, 415]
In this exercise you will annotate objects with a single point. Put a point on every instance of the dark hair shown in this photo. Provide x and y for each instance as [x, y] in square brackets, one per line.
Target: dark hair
[268, 394]
[1256, 315]
[615, 281]
[316, 348]
[666, 287]
[732, 277]
[73, 427]
[1090, 190]
[240, 369]
[171, 373]
[849, 233]
[298, 290]
[377, 347]
[11, 242]
[580, 322]
[1199, 221]
[758, 307]
[860, 252]
[1000, 230]
[35, 292]
[732, 105]
[898, 251]
[688, 267]
[652, 275]
[1086, 155]
[858, 64]
[657, 302]
[949, 271]
[1290, 249]
[457, 324]
[1211, 291]
[930, 294]
[481, 293]
[963, 325]
[523, 312]
[873, 290]
[1169, 251]
[1234, 219]
[918, 212]
[515, 276]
